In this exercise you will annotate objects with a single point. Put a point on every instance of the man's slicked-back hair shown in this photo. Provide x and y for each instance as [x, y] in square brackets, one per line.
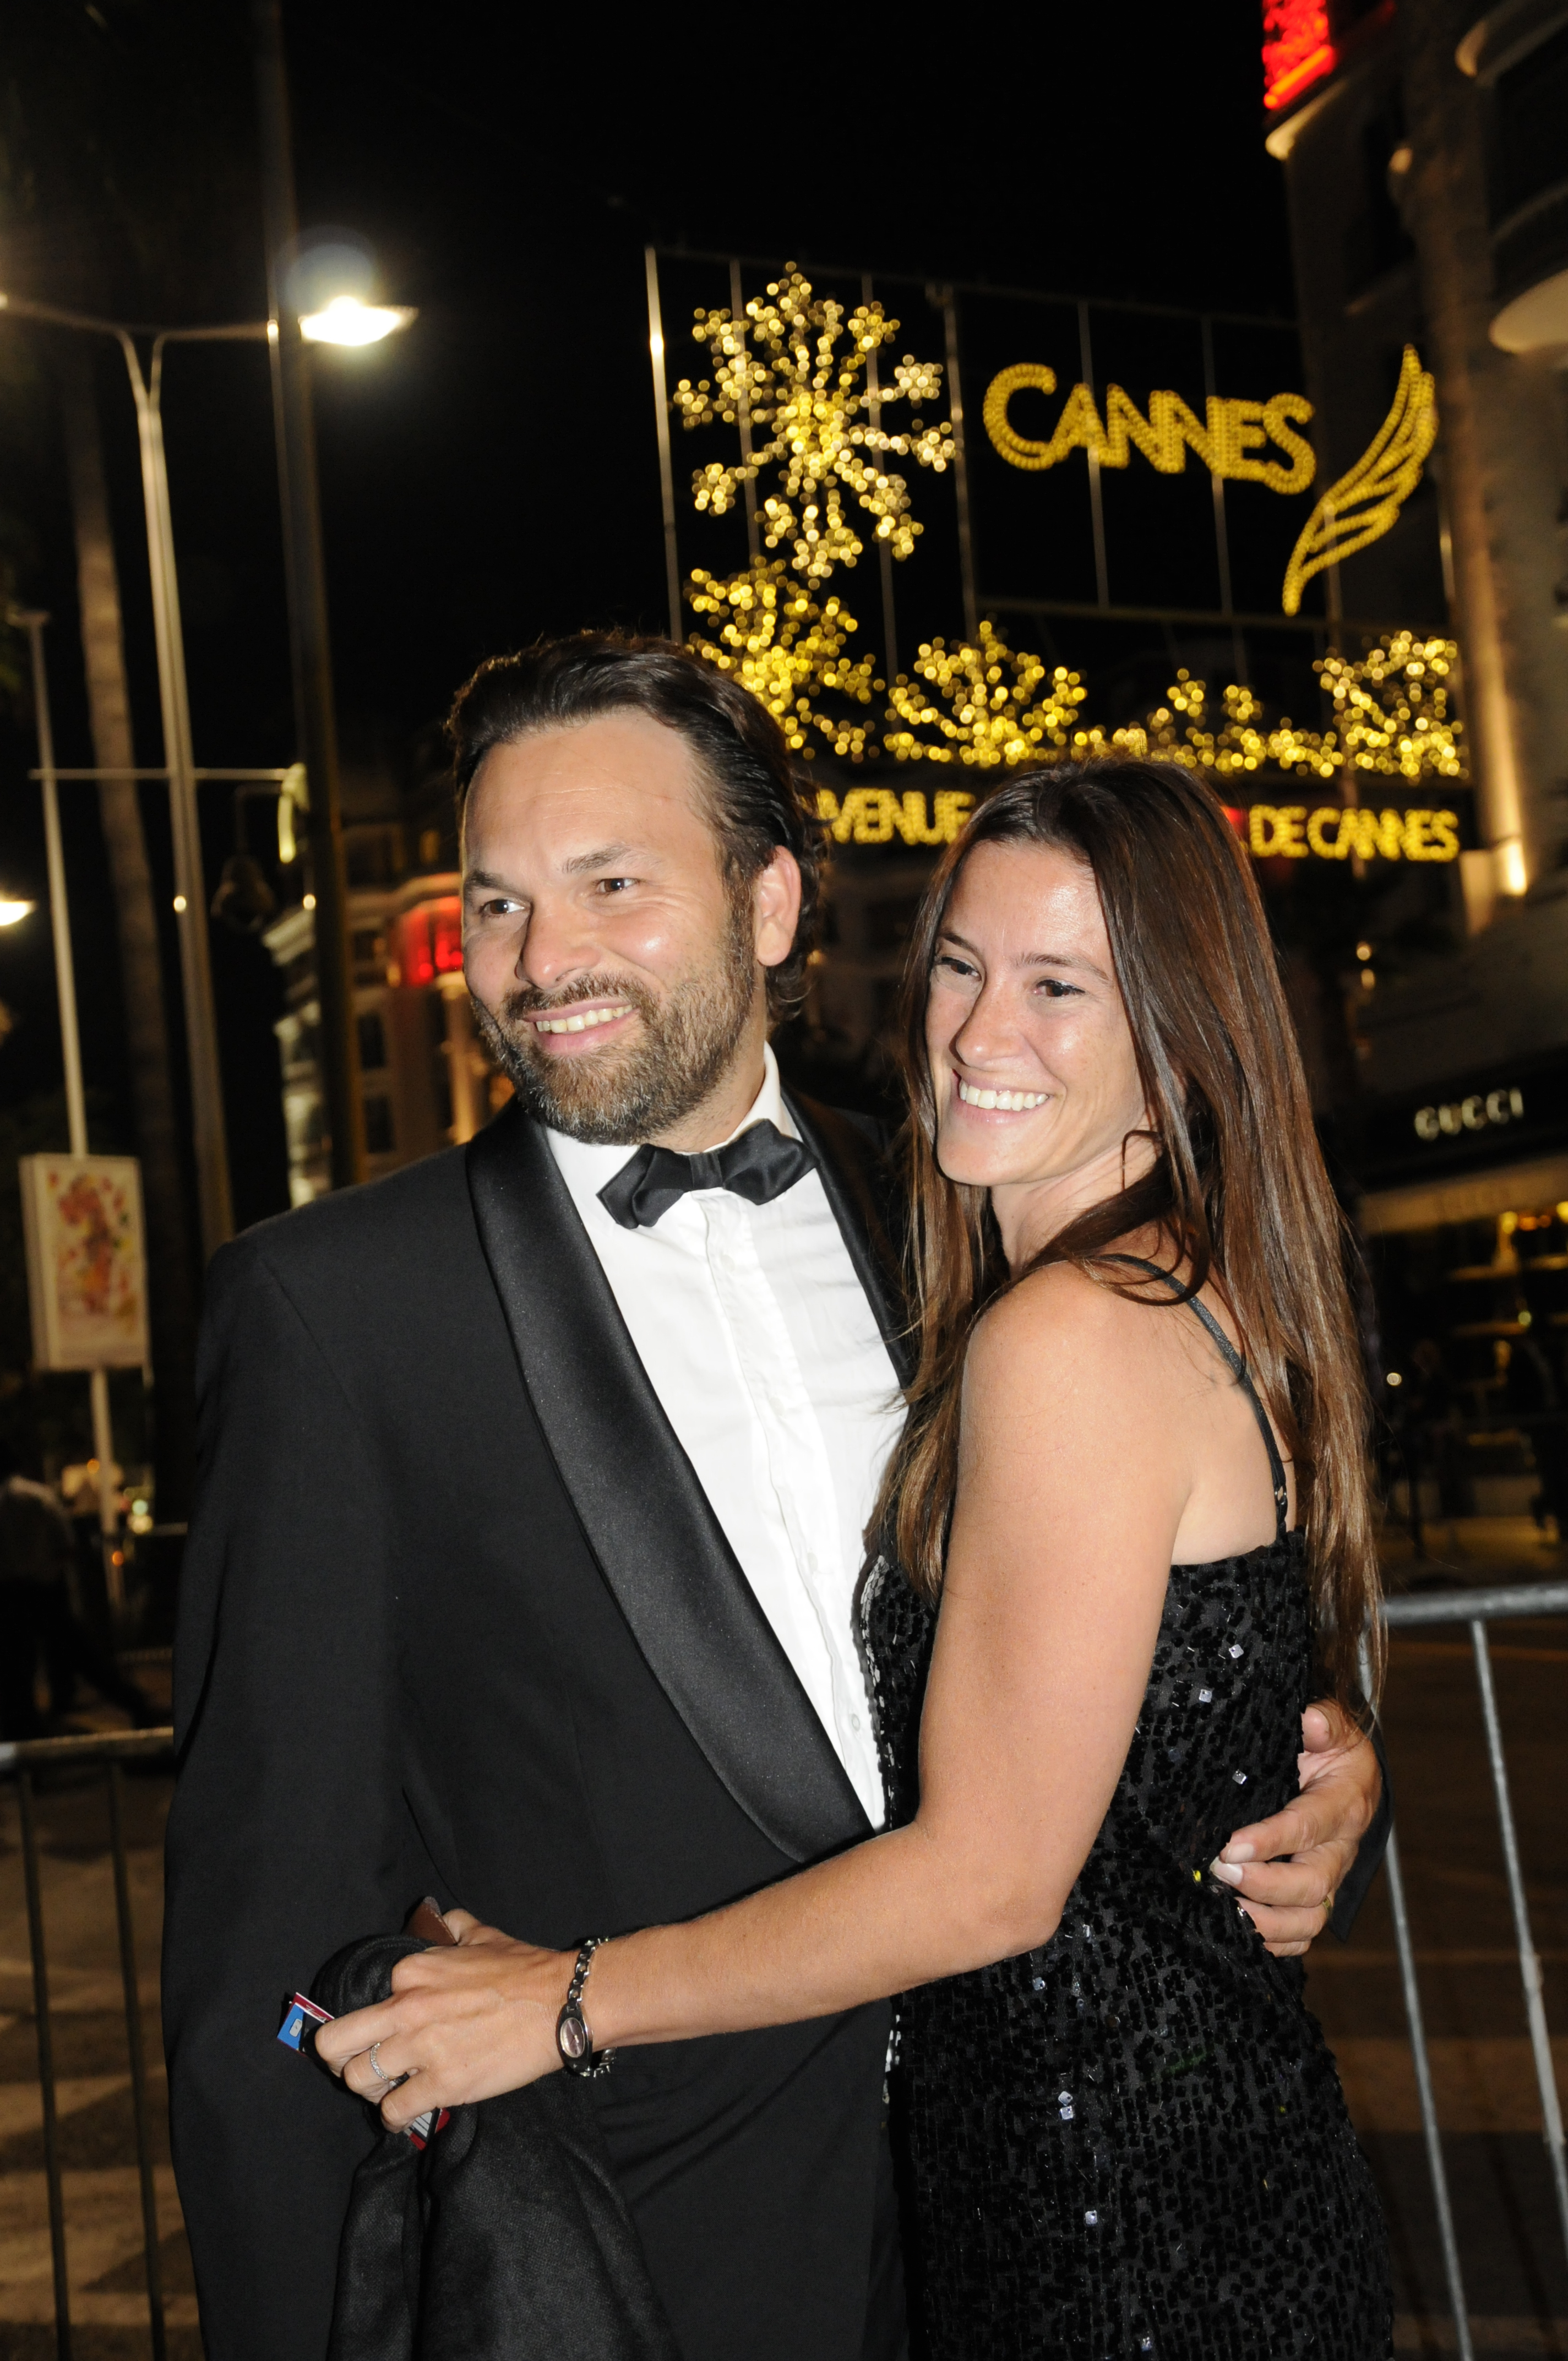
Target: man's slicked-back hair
[755, 796]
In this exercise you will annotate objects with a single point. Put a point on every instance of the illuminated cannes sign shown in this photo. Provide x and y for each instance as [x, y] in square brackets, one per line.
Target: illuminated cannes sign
[1231, 441]
[896, 591]
[1249, 442]
[1338, 832]
[1272, 831]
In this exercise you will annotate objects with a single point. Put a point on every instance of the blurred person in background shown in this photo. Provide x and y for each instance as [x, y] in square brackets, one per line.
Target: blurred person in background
[37, 1551]
[1436, 1416]
[39, 1558]
[1534, 1398]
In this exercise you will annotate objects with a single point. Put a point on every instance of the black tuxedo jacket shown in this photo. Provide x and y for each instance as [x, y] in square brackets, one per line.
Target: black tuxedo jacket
[456, 1616]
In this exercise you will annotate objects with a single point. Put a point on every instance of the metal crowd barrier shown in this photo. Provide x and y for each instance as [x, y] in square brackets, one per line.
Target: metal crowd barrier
[1479, 1607]
[19, 1763]
[1476, 1607]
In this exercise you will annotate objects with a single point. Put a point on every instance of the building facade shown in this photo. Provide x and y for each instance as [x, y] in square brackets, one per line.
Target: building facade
[427, 1080]
[1425, 153]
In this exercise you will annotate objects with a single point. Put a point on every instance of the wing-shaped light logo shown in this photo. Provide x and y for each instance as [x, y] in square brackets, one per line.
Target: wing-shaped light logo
[1365, 502]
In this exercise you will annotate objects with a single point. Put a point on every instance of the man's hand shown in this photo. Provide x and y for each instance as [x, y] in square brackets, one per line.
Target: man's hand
[463, 2023]
[1287, 1870]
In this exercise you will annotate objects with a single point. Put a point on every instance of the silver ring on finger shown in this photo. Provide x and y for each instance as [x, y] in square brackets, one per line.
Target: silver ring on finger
[388, 2082]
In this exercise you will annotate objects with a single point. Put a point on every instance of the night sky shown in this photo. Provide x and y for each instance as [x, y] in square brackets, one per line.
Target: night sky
[492, 474]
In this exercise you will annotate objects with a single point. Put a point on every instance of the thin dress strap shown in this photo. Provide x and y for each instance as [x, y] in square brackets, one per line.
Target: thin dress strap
[1238, 1370]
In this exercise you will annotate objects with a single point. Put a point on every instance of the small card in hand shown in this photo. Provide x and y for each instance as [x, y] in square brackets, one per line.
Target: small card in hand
[426, 1924]
[299, 2015]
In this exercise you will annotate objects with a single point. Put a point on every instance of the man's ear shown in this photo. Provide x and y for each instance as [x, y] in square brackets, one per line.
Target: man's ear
[776, 906]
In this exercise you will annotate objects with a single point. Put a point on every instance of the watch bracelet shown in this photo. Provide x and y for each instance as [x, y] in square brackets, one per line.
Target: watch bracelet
[593, 2063]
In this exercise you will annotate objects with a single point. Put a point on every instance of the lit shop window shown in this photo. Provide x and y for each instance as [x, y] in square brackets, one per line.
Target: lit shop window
[430, 941]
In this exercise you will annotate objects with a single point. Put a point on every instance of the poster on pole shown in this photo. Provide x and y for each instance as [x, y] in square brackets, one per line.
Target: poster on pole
[86, 1260]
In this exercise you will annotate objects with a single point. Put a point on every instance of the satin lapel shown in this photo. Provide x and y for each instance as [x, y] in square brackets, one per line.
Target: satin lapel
[647, 1519]
[855, 1180]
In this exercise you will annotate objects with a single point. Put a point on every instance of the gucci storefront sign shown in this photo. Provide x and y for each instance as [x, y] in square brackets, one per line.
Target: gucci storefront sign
[1481, 1111]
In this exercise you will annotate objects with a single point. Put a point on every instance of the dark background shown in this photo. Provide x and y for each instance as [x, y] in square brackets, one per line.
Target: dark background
[492, 474]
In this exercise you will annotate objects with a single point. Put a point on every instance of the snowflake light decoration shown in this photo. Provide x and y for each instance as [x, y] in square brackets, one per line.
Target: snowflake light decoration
[794, 365]
[794, 371]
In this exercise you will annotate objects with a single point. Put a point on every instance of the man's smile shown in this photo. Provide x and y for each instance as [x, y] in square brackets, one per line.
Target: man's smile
[581, 1020]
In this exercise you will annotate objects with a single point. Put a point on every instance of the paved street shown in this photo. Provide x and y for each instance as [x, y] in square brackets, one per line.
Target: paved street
[103, 2201]
[1517, 2276]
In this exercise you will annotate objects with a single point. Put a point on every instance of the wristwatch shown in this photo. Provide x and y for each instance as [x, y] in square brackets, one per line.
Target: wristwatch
[573, 2038]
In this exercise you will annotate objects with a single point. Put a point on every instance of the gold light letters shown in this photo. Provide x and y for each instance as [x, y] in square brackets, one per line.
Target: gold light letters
[874, 815]
[1335, 832]
[1019, 450]
[1273, 832]
[1229, 440]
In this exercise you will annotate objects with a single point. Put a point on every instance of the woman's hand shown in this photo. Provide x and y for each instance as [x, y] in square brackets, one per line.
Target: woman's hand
[1287, 1870]
[464, 2023]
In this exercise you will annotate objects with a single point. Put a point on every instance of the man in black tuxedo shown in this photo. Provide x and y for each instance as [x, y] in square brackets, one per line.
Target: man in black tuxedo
[522, 1562]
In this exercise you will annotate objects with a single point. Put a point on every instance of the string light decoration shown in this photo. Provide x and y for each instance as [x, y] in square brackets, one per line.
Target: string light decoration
[788, 650]
[989, 706]
[795, 366]
[983, 705]
[1392, 707]
[1181, 731]
[1392, 719]
[1365, 502]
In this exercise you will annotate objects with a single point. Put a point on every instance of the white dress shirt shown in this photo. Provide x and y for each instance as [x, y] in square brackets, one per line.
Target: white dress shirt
[757, 1339]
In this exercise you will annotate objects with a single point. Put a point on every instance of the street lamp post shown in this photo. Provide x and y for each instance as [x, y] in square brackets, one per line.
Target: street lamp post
[346, 321]
[214, 1196]
[70, 1049]
[310, 643]
[191, 897]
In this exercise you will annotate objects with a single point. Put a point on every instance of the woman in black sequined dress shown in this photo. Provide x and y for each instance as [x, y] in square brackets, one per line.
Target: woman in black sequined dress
[1125, 1538]
[1130, 2139]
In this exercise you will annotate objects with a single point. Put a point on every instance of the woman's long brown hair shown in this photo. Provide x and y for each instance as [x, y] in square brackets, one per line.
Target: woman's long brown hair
[1238, 1190]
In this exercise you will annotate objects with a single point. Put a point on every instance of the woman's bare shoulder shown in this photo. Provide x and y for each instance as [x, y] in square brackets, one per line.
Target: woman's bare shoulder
[1057, 1315]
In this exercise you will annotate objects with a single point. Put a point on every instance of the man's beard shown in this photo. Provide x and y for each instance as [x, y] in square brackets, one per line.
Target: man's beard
[629, 1090]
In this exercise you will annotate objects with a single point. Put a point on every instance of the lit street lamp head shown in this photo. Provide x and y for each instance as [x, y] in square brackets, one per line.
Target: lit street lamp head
[348, 321]
[11, 913]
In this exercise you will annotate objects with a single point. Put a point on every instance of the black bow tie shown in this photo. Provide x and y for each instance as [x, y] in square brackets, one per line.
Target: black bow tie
[759, 1165]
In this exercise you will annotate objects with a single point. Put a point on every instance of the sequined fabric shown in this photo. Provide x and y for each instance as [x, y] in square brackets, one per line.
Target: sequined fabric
[1132, 2141]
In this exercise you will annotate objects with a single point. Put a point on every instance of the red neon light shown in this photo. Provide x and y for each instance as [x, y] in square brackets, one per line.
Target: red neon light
[1310, 69]
[430, 941]
[1297, 50]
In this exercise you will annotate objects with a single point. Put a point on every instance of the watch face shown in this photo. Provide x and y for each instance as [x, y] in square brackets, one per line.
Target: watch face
[572, 2036]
